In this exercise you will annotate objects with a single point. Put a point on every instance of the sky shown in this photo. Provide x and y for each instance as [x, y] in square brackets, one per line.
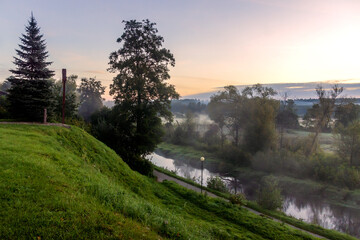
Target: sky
[215, 43]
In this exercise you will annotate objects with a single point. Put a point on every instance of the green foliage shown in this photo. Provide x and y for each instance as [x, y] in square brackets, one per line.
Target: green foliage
[184, 133]
[78, 122]
[141, 94]
[30, 90]
[321, 113]
[28, 98]
[238, 199]
[211, 136]
[348, 142]
[269, 194]
[260, 132]
[217, 183]
[252, 112]
[347, 112]
[4, 104]
[140, 164]
[31, 58]
[234, 156]
[332, 169]
[90, 97]
[227, 108]
[111, 127]
[287, 117]
[71, 102]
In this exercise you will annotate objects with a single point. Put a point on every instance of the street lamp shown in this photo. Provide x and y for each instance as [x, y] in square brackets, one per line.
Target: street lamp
[202, 159]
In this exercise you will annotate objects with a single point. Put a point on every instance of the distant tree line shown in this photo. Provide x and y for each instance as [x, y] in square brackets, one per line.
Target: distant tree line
[187, 105]
[250, 129]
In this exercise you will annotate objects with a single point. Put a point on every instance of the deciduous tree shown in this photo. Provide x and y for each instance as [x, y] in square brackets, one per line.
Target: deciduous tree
[324, 111]
[140, 90]
[348, 142]
[90, 97]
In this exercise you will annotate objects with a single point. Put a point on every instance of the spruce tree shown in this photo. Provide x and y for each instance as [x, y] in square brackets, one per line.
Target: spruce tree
[31, 90]
[31, 61]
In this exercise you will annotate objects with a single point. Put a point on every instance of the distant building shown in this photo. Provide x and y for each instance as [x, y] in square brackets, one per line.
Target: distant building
[3, 93]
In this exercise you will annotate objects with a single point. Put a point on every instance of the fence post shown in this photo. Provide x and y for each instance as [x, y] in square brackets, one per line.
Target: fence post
[45, 115]
[63, 101]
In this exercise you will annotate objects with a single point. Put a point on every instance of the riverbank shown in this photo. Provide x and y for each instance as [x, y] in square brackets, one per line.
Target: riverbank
[304, 187]
[254, 207]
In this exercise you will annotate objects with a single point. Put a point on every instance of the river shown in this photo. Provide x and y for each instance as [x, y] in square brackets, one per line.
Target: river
[310, 209]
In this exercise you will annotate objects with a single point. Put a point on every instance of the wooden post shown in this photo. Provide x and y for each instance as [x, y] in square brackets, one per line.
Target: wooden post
[45, 116]
[63, 102]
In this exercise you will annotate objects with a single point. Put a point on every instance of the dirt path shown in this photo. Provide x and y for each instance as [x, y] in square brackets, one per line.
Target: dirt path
[161, 177]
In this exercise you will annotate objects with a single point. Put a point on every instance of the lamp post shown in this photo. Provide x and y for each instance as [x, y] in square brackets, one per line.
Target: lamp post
[202, 159]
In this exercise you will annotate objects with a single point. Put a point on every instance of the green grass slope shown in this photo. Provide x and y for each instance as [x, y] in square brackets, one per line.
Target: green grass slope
[58, 183]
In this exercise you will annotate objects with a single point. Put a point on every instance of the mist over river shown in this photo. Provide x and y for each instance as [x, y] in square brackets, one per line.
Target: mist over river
[311, 209]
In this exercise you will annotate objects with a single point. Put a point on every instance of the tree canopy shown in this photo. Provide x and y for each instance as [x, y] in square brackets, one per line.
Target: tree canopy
[249, 114]
[141, 65]
[31, 90]
[91, 92]
[71, 102]
[142, 95]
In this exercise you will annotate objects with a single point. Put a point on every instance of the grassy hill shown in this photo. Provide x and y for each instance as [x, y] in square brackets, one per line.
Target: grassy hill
[58, 183]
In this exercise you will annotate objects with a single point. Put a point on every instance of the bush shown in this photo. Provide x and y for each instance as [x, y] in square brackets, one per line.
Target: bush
[217, 184]
[3, 107]
[293, 164]
[269, 194]
[239, 199]
[348, 177]
[234, 155]
[139, 164]
[79, 122]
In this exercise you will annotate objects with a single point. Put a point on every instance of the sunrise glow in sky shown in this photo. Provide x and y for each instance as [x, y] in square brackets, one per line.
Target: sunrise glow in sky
[215, 43]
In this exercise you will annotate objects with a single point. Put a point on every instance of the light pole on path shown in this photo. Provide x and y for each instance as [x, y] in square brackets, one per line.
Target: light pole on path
[202, 159]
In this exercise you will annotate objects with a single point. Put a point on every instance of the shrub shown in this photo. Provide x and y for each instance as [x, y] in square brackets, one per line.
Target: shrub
[139, 164]
[239, 199]
[217, 183]
[269, 194]
[3, 107]
[234, 155]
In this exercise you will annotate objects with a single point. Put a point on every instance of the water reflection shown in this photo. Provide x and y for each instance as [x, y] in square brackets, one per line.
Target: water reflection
[309, 209]
[181, 168]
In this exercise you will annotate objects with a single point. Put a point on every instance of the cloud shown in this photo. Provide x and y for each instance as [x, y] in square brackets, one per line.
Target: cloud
[352, 88]
[198, 78]
[294, 87]
[95, 72]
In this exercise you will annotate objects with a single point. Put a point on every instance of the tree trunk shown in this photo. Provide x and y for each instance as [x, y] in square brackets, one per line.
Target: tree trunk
[313, 143]
[236, 135]
[281, 136]
[352, 149]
